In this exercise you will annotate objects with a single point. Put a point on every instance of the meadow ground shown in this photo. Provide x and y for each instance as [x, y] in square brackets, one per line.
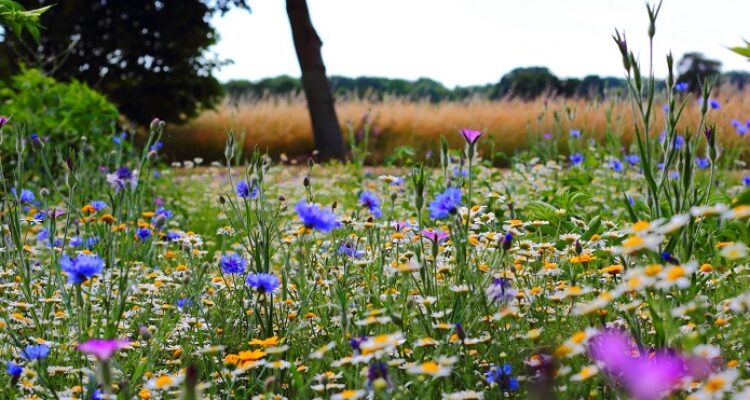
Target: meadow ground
[552, 278]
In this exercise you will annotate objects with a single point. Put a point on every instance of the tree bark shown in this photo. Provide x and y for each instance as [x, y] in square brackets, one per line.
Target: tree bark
[325, 123]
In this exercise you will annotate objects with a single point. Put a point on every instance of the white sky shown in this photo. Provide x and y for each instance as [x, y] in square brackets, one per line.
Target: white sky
[466, 42]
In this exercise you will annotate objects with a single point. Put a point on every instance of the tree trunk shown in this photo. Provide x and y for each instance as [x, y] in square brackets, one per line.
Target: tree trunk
[326, 129]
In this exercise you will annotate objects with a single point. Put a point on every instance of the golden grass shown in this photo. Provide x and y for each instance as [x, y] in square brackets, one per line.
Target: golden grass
[281, 125]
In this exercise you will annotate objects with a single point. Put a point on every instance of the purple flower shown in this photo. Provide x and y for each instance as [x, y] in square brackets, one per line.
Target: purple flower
[3, 121]
[644, 376]
[471, 135]
[123, 178]
[315, 217]
[263, 283]
[371, 202]
[102, 349]
[435, 235]
[681, 87]
[445, 203]
[232, 263]
[575, 133]
[27, 196]
[714, 104]
[576, 158]
[350, 251]
[98, 205]
[501, 290]
[746, 180]
[377, 370]
[81, 267]
[547, 136]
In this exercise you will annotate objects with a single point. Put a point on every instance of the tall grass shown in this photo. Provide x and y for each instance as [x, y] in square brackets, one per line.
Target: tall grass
[281, 124]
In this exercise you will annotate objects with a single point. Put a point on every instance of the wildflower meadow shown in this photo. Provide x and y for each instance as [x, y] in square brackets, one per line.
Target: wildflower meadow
[591, 268]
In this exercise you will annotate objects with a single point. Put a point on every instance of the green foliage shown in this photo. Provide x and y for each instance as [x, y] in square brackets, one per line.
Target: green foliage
[149, 58]
[61, 111]
[18, 19]
[695, 68]
[743, 51]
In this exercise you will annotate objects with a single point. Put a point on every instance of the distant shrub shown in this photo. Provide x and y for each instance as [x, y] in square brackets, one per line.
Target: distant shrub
[58, 112]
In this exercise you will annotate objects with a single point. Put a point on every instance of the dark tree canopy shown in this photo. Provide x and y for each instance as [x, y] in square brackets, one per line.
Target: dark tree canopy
[148, 56]
[695, 68]
[527, 83]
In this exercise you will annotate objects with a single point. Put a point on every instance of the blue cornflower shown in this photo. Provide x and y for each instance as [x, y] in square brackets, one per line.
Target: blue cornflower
[616, 165]
[681, 87]
[42, 235]
[463, 173]
[184, 302]
[371, 202]
[377, 370]
[742, 130]
[679, 141]
[575, 133]
[116, 140]
[13, 369]
[576, 158]
[98, 205]
[714, 104]
[27, 196]
[350, 251]
[76, 241]
[674, 174]
[122, 179]
[243, 190]
[702, 163]
[501, 376]
[445, 203]
[143, 233]
[173, 235]
[315, 217]
[633, 159]
[35, 352]
[263, 283]
[81, 267]
[746, 181]
[232, 263]
[165, 212]
[156, 146]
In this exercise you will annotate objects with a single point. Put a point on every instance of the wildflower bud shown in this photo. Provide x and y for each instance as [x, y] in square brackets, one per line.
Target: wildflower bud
[380, 384]
[460, 332]
[507, 241]
[43, 192]
[579, 248]
[222, 201]
[334, 205]
[282, 198]
[190, 391]
[152, 154]
[269, 382]
[144, 333]
[667, 257]
[453, 211]
[156, 123]
[160, 221]
[394, 196]
[3, 121]
[306, 182]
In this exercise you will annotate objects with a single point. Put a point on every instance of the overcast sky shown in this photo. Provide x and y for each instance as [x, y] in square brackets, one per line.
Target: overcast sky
[467, 42]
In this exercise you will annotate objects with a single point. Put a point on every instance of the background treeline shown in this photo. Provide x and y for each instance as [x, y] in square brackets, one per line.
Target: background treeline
[523, 83]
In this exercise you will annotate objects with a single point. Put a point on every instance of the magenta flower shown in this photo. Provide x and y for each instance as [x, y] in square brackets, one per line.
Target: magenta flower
[3, 121]
[471, 135]
[102, 349]
[645, 376]
[435, 235]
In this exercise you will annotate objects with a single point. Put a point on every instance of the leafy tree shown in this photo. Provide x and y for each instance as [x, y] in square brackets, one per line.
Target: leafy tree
[526, 83]
[147, 56]
[695, 68]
